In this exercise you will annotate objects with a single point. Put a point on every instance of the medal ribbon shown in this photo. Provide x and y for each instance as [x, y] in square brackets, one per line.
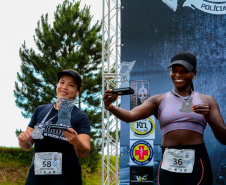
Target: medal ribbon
[43, 122]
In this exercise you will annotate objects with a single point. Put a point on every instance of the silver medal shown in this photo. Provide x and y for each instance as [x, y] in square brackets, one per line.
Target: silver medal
[187, 102]
[37, 133]
[186, 105]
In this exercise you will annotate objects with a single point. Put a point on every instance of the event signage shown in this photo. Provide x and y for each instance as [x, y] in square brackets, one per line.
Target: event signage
[208, 6]
[141, 175]
[144, 128]
[141, 92]
[141, 152]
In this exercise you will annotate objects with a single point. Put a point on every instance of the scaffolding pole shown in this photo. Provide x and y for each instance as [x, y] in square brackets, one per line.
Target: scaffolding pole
[111, 39]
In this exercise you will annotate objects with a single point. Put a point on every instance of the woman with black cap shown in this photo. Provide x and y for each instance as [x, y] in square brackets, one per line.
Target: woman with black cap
[56, 154]
[183, 115]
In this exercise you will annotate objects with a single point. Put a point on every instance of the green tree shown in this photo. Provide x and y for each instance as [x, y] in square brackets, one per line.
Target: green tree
[69, 43]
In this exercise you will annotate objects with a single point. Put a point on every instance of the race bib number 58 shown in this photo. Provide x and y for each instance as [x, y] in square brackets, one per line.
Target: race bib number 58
[48, 163]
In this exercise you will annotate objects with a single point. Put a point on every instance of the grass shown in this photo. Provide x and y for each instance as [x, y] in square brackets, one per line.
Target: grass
[89, 178]
[15, 164]
[12, 173]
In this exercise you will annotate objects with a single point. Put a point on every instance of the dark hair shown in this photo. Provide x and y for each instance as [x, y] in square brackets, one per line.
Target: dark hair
[186, 59]
[72, 73]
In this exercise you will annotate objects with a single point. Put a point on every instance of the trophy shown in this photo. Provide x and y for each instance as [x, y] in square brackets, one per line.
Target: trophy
[64, 114]
[125, 70]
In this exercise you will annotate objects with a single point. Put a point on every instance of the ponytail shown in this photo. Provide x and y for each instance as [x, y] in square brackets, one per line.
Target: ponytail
[192, 86]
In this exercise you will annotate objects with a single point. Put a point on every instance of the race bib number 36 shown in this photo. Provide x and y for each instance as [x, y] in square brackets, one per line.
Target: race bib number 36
[178, 161]
[48, 163]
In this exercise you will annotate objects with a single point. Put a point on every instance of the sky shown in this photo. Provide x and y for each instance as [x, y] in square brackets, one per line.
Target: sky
[18, 21]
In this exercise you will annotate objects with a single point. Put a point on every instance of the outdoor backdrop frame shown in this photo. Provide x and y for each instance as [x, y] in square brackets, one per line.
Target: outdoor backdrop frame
[111, 54]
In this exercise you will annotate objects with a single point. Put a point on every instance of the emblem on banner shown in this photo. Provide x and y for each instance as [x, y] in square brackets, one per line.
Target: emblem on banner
[141, 92]
[141, 152]
[141, 175]
[143, 128]
[208, 6]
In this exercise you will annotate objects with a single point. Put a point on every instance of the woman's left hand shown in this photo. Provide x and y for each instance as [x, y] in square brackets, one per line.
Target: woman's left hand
[203, 109]
[81, 142]
[71, 135]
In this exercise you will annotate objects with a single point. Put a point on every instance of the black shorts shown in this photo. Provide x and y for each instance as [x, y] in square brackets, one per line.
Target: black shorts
[202, 172]
[53, 180]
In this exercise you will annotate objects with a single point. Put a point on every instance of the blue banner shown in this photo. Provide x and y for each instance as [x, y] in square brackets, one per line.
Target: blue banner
[152, 31]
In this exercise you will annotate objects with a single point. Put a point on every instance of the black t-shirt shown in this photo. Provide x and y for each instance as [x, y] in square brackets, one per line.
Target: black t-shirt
[55, 141]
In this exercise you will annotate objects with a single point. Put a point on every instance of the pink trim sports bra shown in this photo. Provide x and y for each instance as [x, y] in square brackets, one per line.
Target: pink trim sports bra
[171, 118]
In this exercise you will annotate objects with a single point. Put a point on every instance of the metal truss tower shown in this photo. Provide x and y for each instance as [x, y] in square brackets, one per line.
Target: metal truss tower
[111, 45]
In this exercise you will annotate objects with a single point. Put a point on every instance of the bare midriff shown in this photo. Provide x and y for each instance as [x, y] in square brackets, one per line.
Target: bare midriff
[182, 137]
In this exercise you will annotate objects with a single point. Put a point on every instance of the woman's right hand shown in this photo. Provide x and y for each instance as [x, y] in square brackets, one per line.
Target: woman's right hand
[25, 140]
[109, 98]
[24, 136]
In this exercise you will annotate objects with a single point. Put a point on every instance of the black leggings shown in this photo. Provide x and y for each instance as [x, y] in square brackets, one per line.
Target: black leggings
[202, 172]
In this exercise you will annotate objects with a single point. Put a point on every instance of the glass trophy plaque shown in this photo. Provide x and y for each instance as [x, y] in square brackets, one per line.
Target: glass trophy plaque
[64, 113]
[125, 70]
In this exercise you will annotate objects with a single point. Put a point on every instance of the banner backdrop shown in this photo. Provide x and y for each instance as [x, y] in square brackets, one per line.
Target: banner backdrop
[152, 31]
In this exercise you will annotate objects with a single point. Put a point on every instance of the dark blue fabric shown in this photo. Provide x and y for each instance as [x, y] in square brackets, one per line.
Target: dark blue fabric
[79, 120]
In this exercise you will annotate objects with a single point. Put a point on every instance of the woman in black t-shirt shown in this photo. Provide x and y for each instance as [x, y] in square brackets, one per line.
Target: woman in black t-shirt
[55, 159]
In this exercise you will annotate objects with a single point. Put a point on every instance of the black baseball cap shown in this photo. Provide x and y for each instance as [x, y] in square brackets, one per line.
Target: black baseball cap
[72, 73]
[185, 59]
